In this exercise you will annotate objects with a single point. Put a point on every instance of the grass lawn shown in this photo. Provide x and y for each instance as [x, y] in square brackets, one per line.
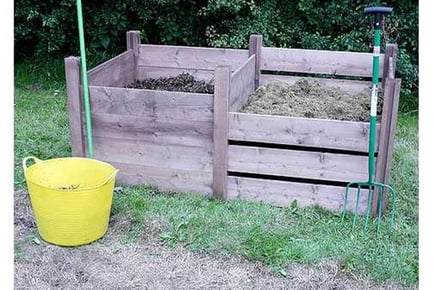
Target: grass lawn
[275, 236]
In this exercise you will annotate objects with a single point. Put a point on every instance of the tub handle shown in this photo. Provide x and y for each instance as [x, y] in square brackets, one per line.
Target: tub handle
[36, 160]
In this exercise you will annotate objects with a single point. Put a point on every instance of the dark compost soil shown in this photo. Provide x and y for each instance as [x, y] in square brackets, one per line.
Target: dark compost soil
[184, 82]
[310, 99]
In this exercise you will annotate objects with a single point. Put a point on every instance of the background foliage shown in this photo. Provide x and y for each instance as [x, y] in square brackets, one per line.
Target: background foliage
[48, 28]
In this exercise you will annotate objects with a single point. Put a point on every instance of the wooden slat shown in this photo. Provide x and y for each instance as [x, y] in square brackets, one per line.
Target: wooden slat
[190, 57]
[220, 136]
[242, 84]
[151, 130]
[141, 153]
[151, 103]
[117, 71]
[255, 47]
[75, 106]
[164, 178]
[283, 193]
[299, 131]
[342, 63]
[297, 163]
[154, 72]
[350, 86]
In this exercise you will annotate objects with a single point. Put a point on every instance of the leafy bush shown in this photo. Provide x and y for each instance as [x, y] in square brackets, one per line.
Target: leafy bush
[49, 28]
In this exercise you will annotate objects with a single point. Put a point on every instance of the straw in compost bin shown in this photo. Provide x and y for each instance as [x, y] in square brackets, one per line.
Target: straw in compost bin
[309, 99]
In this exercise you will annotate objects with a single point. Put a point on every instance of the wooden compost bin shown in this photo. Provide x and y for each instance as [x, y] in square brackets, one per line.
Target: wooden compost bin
[201, 143]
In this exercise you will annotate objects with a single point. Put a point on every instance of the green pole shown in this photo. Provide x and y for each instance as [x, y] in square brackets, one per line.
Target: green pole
[84, 81]
[374, 97]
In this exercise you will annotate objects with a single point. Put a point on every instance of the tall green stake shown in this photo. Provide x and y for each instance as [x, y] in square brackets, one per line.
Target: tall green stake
[84, 81]
[378, 13]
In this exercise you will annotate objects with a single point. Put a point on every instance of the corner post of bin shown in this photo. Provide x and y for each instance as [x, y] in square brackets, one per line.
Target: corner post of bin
[220, 130]
[75, 106]
[389, 116]
[133, 42]
[255, 48]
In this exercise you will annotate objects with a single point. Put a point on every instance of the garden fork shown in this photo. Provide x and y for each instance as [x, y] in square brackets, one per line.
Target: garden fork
[371, 184]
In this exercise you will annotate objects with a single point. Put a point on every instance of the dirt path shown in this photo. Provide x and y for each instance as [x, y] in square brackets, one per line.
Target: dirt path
[111, 264]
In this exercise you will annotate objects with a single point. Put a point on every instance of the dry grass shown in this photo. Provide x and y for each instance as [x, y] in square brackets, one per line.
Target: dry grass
[110, 263]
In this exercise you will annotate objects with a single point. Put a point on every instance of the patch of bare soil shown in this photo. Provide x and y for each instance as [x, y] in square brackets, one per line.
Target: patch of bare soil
[184, 82]
[309, 99]
[112, 264]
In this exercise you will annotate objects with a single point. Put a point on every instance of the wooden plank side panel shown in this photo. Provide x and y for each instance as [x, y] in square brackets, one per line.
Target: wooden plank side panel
[154, 72]
[117, 71]
[283, 193]
[164, 178]
[350, 86]
[333, 134]
[152, 104]
[141, 153]
[242, 84]
[151, 130]
[190, 57]
[297, 163]
[342, 63]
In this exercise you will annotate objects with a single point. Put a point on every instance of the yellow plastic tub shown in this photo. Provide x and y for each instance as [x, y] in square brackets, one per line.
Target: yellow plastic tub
[71, 198]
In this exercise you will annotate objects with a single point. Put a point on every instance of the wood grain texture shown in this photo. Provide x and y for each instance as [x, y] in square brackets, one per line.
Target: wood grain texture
[349, 86]
[390, 67]
[117, 71]
[342, 63]
[156, 155]
[164, 178]
[242, 85]
[191, 57]
[255, 47]
[144, 72]
[295, 163]
[220, 125]
[283, 193]
[151, 103]
[153, 130]
[299, 131]
[75, 106]
[133, 41]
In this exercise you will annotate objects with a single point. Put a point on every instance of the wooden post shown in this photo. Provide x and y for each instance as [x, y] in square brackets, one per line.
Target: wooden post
[75, 106]
[133, 42]
[255, 46]
[388, 67]
[220, 130]
[387, 137]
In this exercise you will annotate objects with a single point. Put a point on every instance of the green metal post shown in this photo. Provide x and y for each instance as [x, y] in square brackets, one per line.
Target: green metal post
[84, 81]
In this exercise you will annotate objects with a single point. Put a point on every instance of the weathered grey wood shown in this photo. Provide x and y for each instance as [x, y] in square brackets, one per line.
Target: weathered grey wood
[133, 41]
[318, 61]
[389, 67]
[190, 57]
[297, 163]
[255, 46]
[350, 86]
[151, 103]
[75, 106]
[242, 85]
[387, 137]
[164, 178]
[118, 71]
[283, 193]
[220, 137]
[153, 130]
[144, 72]
[149, 154]
[333, 134]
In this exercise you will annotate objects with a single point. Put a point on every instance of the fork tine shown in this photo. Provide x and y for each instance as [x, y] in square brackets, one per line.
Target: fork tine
[368, 211]
[380, 207]
[356, 211]
[345, 201]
